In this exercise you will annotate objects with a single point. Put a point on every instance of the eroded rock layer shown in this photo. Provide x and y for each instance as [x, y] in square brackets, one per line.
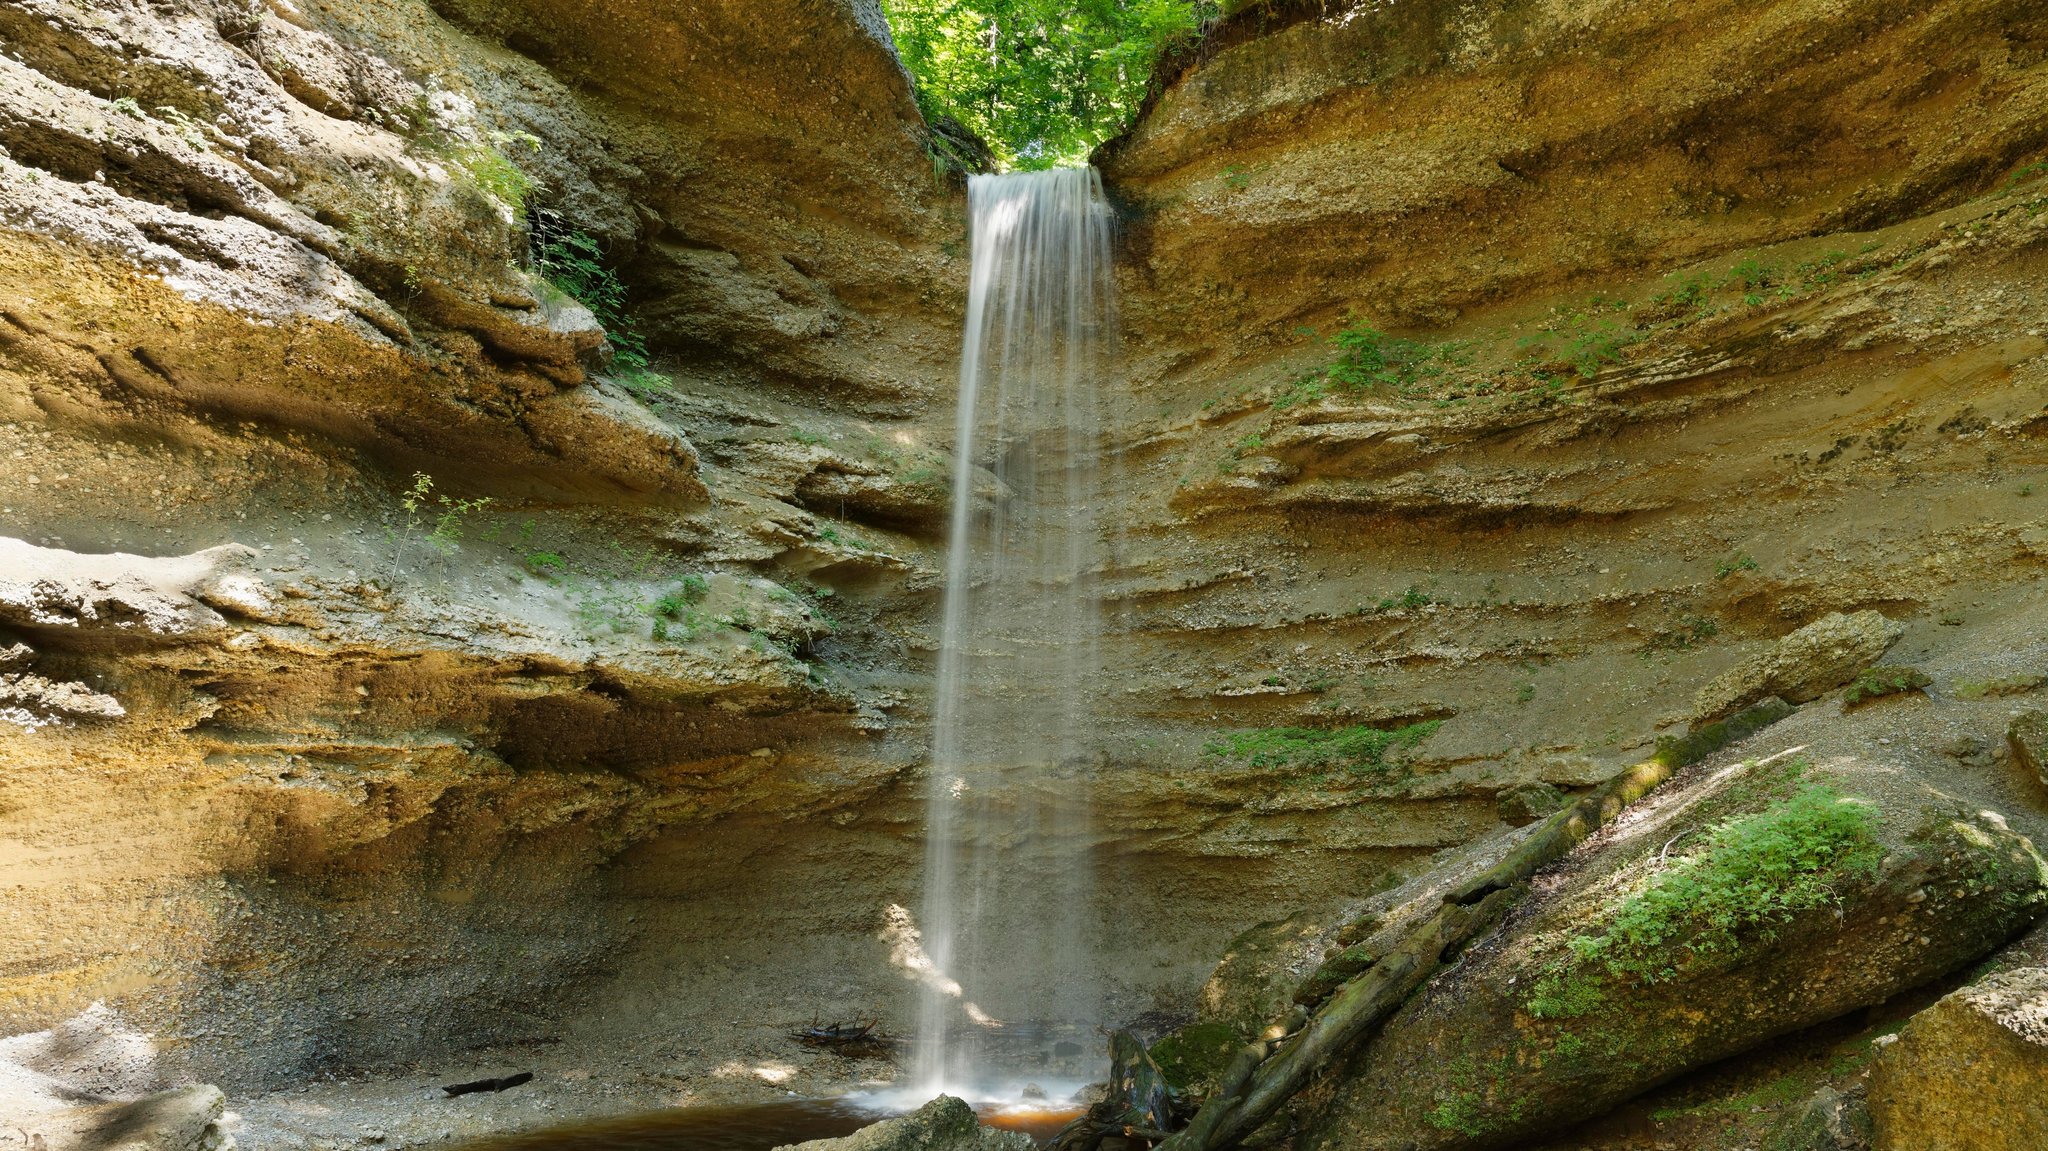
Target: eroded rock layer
[394, 684]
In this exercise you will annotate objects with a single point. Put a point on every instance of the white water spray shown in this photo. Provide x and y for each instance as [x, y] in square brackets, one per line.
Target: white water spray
[1007, 830]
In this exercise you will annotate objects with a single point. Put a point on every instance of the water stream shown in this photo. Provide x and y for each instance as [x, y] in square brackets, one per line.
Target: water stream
[1007, 959]
[1007, 830]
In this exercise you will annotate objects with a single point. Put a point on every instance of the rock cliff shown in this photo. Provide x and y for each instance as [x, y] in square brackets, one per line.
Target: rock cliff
[397, 683]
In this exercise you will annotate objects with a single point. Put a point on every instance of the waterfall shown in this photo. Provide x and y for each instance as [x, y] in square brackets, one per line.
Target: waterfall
[1007, 875]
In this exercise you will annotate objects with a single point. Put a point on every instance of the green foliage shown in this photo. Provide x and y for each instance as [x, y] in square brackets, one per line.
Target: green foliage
[494, 173]
[677, 607]
[1755, 276]
[1685, 635]
[574, 263]
[1877, 682]
[1041, 81]
[1361, 749]
[1754, 874]
[832, 534]
[1408, 600]
[1368, 357]
[1687, 297]
[1739, 562]
[1581, 339]
[1307, 389]
[444, 518]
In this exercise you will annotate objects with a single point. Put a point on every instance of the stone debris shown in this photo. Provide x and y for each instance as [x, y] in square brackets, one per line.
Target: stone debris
[1802, 666]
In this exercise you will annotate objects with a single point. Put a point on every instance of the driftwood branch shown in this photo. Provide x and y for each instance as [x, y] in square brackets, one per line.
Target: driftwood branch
[1257, 1085]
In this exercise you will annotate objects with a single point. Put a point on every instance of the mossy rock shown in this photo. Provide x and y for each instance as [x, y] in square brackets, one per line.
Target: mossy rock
[1879, 682]
[1477, 1059]
[1194, 1056]
[1525, 803]
[1338, 968]
[1254, 982]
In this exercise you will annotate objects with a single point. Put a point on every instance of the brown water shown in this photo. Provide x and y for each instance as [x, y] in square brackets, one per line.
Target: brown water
[756, 1127]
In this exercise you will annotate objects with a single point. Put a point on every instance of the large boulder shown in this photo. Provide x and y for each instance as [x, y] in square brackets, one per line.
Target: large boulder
[1754, 903]
[944, 1124]
[1802, 666]
[1969, 1073]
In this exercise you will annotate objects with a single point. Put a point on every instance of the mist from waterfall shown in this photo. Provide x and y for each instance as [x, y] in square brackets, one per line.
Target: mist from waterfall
[1007, 835]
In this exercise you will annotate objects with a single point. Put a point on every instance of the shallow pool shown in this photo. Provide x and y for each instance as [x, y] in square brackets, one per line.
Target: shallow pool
[755, 1127]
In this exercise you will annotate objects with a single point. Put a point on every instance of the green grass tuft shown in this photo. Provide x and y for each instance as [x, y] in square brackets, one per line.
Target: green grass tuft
[1754, 874]
[1360, 749]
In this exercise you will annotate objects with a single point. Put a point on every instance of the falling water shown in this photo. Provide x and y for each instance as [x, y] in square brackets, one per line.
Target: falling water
[1006, 872]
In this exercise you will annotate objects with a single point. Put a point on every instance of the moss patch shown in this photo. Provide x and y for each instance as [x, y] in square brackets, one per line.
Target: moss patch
[1361, 749]
[2005, 685]
[1193, 1057]
[1754, 874]
[1878, 682]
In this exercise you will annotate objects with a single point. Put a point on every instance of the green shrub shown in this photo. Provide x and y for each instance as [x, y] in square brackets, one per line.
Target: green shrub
[1755, 276]
[1739, 562]
[1583, 338]
[676, 608]
[496, 175]
[1408, 600]
[444, 517]
[1368, 357]
[574, 263]
[1361, 749]
[1754, 874]
[1687, 634]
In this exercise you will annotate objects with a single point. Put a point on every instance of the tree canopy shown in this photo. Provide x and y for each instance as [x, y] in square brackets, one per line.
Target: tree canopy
[1042, 81]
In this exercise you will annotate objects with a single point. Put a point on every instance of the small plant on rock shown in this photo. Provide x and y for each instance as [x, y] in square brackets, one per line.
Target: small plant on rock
[678, 607]
[1739, 562]
[574, 262]
[444, 518]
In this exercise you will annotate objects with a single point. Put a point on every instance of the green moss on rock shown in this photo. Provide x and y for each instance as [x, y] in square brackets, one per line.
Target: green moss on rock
[1193, 1057]
[1878, 682]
